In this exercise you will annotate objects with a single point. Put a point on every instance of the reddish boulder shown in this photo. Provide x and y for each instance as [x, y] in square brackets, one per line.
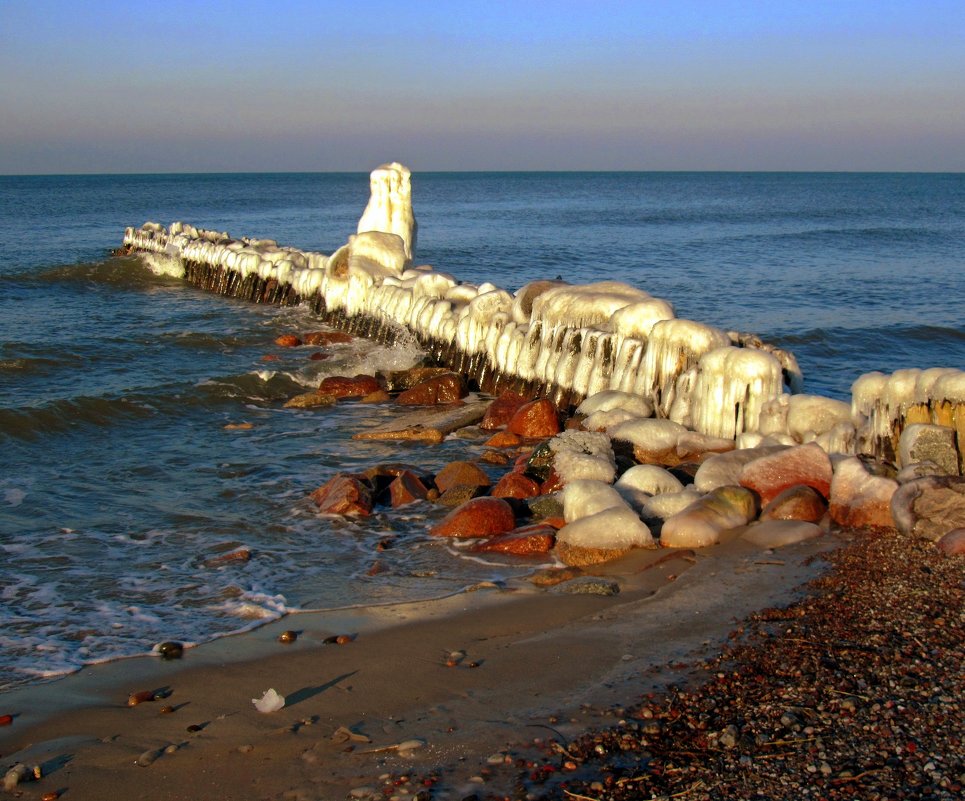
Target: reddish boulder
[525, 541]
[480, 517]
[326, 338]
[461, 473]
[859, 499]
[288, 341]
[953, 543]
[553, 483]
[770, 475]
[796, 503]
[318, 356]
[344, 387]
[442, 389]
[503, 439]
[344, 495]
[515, 485]
[501, 411]
[407, 488]
[538, 418]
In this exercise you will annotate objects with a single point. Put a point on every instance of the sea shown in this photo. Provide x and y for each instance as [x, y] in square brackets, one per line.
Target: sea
[120, 485]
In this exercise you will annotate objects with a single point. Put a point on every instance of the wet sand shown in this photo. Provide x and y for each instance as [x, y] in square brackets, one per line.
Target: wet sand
[525, 660]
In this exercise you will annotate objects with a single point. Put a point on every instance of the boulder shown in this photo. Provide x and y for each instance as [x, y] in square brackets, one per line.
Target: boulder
[442, 389]
[457, 495]
[581, 455]
[702, 523]
[538, 418]
[287, 341]
[504, 439]
[649, 478]
[344, 495]
[407, 488]
[923, 442]
[796, 503]
[654, 441]
[310, 400]
[480, 517]
[724, 469]
[770, 475]
[860, 499]
[379, 396]
[344, 387]
[501, 411]
[929, 507]
[953, 543]
[601, 537]
[661, 507]
[532, 540]
[587, 497]
[326, 338]
[515, 485]
[777, 533]
[401, 380]
[461, 473]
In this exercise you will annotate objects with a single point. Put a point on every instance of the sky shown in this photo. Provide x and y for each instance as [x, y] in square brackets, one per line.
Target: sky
[209, 86]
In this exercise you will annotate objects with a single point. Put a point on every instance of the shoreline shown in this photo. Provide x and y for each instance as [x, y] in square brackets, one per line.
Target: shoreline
[390, 684]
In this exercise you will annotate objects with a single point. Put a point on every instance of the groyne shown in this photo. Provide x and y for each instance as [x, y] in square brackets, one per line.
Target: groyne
[565, 342]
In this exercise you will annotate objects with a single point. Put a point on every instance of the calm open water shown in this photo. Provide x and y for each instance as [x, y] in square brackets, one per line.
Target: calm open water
[118, 481]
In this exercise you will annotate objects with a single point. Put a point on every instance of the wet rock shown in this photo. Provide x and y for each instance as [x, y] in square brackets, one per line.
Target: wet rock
[770, 475]
[859, 499]
[538, 418]
[407, 488]
[170, 649]
[796, 503]
[724, 469]
[953, 543]
[457, 495]
[287, 341]
[310, 400]
[929, 507]
[236, 556]
[326, 338]
[545, 506]
[501, 411]
[344, 387]
[318, 356]
[554, 483]
[464, 473]
[540, 461]
[702, 523]
[480, 517]
[777, 533]
[922, 442]
[379, 396]
[504, 439]
[515, 485]
[552, 576]
[525, 541]
[443, 389]
[344, 495]
[494, 457]
[401, 380]
[588, 585]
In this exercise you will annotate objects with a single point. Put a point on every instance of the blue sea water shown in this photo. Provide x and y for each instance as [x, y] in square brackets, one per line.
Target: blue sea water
[119, 483]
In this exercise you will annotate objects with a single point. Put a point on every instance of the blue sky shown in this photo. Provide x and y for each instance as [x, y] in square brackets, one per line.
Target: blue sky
[236, 86]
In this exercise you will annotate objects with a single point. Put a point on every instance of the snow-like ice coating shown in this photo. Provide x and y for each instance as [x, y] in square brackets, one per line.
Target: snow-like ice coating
[611, 347]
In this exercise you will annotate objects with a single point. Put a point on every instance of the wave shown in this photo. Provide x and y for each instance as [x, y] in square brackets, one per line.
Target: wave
[123, 272]
[30, 423]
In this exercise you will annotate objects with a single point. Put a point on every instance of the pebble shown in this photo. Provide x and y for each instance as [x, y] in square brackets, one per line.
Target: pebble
[362, 792]
[148, 757]
[288, 637]
[18, 774]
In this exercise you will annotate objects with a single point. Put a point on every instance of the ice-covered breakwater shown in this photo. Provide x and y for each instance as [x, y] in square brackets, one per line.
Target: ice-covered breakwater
[550, 338]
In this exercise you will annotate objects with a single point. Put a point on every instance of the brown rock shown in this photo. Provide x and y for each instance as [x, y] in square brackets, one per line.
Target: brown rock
[318, 356]
[538, 418]
[501, 411]
[504, 439]
[457, 495]
[465, 473]
[310, 400]
[237, 556]
[494, 457]
[515, 485]
[344, 387]
[581, 556]
[555, 575]
[270, 357]
[796, 503]
[401, 380]
[407, 488]
[480, 517]
[288, 341]
[379, 396]
[326, 338]
[524, 541]
[344, 495]
[447, 388]
[770, 475]
[953, 543]
[553, 483]
[929, 507]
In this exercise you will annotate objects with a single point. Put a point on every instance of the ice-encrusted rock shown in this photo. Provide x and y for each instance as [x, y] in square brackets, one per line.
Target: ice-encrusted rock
[799, 502]
[778, 533]
[579, 455]
[654, 441]
[586, 497]
[770, 475]
[860, 499]
[664, 506]
[929, 507]
[723, 469]
[649, 478]
[600, 537]
[615, 399]
[702, 523]
[921, 442]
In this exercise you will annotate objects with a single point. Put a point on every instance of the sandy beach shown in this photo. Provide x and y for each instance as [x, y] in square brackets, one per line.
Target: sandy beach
[461, 679]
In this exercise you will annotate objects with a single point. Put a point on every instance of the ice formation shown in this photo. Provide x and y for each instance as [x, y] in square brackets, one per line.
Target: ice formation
[566, 342]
